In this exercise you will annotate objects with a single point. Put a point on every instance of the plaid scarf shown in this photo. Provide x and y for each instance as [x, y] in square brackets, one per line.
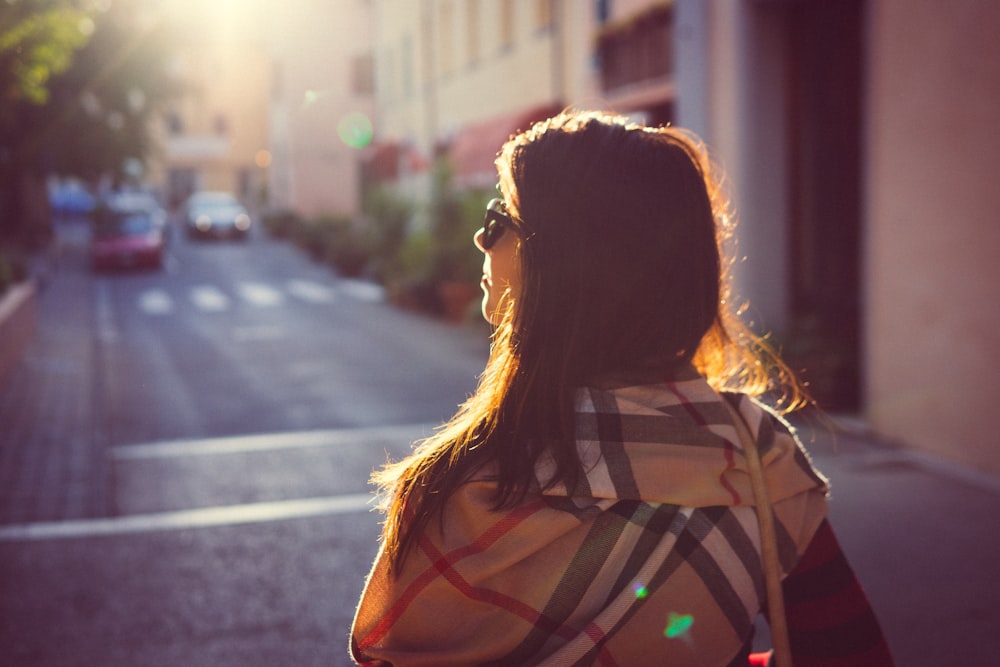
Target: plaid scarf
[653, 559]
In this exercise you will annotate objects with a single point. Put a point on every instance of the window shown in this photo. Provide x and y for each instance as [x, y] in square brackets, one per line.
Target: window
[174, 123]
[543, 14]
[362, 69]
[446, 35]
[220, 124]
[636, 50]
[407, 64]
[506, 24]
[472, 30]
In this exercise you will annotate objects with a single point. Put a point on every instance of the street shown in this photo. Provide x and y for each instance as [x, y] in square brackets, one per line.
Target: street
[185, 458]
[186, 455]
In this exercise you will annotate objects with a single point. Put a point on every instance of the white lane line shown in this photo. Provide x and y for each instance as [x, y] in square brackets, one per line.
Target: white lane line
[311, 292]
[209, 298]
[107, 331]
[271, 441]
[156, 302]
[362, 290]
[206, 517]
[260, 294]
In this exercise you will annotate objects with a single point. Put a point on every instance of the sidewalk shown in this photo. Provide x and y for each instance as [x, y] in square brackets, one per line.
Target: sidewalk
[51, 441]
[924, 539]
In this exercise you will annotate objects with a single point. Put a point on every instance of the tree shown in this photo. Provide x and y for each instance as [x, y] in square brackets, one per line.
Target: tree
[91, 115]
[37, 40]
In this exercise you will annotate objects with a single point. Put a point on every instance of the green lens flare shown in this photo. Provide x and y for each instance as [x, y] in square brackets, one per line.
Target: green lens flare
[678, 624]
[355, 130]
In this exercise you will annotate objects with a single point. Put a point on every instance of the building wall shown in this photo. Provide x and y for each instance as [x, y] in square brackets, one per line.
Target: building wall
[731, 92]
[930, 334]
[221, 123]
[933, 242]
[443, 65]
[321, 104]
[290, 86]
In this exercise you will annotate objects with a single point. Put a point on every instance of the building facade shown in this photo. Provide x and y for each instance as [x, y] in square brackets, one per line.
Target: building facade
[278, 107]
[455, 78]
[858, 141]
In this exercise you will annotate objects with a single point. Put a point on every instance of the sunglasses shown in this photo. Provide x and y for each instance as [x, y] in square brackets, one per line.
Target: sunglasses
[496, 221]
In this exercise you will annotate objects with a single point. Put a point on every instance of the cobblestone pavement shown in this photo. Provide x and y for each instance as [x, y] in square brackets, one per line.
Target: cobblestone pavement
[52, 463]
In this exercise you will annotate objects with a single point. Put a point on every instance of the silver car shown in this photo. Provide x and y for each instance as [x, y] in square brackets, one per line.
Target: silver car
[216, 214]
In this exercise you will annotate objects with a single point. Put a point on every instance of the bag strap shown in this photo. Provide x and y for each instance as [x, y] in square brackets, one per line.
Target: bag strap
[768, 542]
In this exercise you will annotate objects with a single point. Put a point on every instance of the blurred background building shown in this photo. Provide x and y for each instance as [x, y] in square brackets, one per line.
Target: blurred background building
[278, 103]
[858, 137]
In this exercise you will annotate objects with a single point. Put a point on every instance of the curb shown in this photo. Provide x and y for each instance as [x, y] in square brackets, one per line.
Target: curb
[18, 323]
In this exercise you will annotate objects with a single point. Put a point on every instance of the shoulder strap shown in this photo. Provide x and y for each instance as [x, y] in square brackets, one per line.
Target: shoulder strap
[768, 540]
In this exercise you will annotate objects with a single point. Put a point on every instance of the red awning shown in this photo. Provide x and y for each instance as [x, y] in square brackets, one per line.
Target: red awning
[475, 147]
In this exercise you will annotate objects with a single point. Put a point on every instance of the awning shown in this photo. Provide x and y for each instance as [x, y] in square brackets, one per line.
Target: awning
[387, 161]
[475, 147]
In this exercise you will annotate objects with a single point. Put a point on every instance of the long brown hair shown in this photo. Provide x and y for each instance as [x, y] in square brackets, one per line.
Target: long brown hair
[622, 230]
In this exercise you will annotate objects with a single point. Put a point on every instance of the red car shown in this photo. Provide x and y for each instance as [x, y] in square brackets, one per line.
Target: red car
[126, 239]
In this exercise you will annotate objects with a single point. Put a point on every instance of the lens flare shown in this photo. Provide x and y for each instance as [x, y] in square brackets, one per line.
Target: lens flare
[355, 130]
[678, 625]
[640, 591]
[311, 97]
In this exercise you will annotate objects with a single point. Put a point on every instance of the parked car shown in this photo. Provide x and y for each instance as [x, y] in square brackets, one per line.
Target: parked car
[71, 198]
[125, 238]
[216, 214]
[139, 200]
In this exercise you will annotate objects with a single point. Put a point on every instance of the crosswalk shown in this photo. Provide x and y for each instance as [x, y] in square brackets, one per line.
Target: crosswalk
[160, 301]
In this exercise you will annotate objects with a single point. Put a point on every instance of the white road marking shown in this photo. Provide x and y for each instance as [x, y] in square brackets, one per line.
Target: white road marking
[156, 302]
[206, 517]
[362, 290]
[212, 299]
[107, 331]
[270, 441]
[260, 294]
[310, 291]
[207, 297]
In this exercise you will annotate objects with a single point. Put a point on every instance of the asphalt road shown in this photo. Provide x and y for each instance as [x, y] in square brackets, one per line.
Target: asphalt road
[230, 410]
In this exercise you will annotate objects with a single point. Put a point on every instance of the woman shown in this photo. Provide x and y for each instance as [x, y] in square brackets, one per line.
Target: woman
[590, 504]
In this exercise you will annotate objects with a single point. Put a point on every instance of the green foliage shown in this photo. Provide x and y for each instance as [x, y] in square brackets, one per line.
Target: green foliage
[455, 217]
[80, 87]
[80, 81]
[282, 224]
[330, 239]
[37, 41]
[387, 216]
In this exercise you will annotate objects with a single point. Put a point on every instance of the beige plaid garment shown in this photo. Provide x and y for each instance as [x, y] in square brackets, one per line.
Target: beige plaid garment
[653, 560]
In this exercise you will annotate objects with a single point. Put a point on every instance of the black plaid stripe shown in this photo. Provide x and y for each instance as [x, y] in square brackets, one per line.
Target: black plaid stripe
[652, 521]
[663, 520]
[713, 575]
[788, 553]
[677, 526]
[654, 428]
[741, 544]
[689, 549]
[610, 435]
